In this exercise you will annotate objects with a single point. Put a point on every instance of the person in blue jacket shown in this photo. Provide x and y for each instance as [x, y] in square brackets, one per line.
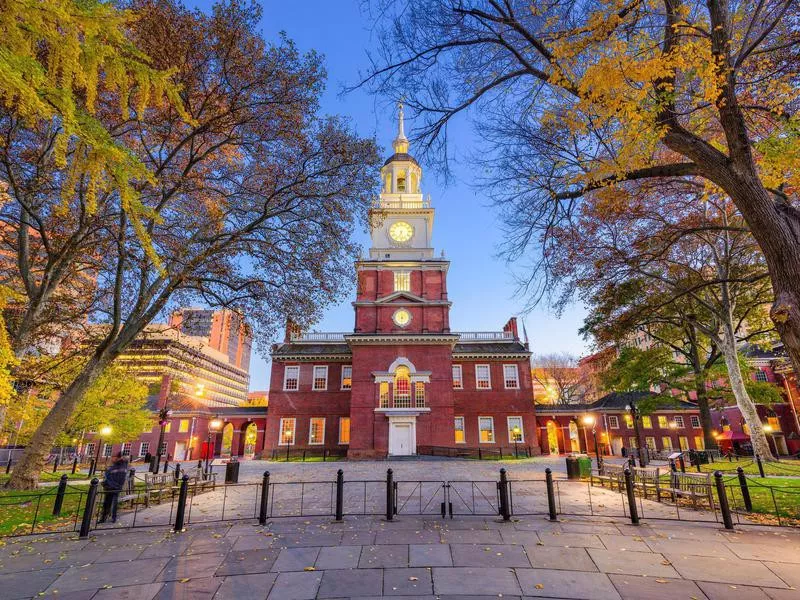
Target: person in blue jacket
[113, 482]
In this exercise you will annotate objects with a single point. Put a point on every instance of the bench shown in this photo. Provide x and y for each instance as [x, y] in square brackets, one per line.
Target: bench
[158, 485]
[647, 481]
[611, 474]
[695, 486]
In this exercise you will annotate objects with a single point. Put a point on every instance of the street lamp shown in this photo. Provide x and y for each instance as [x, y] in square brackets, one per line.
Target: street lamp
[635, 417]
[104, 432]
[287, 437]
[214, 425]
[516, 431]
[163, 419]
[590, 421]
[768, 429]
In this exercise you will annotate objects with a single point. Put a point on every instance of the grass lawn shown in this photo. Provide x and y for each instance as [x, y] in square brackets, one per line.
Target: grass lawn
[782, 467]
[32, 512]
[775, 496]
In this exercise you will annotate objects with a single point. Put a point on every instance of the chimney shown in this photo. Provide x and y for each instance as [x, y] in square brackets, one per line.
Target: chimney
[512, 327]
[292, 330]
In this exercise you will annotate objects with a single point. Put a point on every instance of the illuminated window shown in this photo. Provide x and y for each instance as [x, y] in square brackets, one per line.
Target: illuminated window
[629, 421]
[288, 427]
[666, 443]
[344, 430]
[511, 377]
[483, 378]
[613, 422]
[402, 281]
[459, 427]
[347, 377]
[419, 394]
[662, 422]
[168, 427]
[678, 422]
[695, 421]
[515, 431]
[683, 441]
[458, 380]
[486, 429]
[291, 378]
[647, 422]
[632, 441]
[90, 449]
[650, 442]
[402, 388]
[699, 442]
[320, 379]
[383, 388]
[183, 426]
[746, 428]
[316, 431]
[774, 423]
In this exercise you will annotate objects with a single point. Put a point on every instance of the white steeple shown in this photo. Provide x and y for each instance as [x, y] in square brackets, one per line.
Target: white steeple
[400, 143]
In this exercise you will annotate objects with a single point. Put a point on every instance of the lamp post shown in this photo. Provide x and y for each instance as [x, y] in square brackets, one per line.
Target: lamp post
[768, 431]
[105, 431]
[516, 431]
[635, 417]
[163, 419]
[214, 425]
[287, 437]
[589, 420]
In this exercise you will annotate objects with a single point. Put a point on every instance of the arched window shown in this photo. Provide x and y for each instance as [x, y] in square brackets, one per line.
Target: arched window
[402, 387]
[401, 184]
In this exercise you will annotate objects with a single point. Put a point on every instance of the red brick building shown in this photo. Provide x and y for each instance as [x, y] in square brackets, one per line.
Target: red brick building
[402, 381]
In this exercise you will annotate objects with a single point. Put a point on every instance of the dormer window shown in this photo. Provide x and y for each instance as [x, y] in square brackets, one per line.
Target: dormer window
[401, 184]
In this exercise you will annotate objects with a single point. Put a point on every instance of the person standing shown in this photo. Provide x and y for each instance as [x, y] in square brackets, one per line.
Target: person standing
[113, 482]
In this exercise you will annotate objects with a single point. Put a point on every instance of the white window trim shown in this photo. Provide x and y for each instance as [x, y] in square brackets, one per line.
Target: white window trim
[494, 437]
[679, 422]
[349, 430]
[521, 429]
[311, 430]
[280, 431]
[695, 419]
[488, 372]
[516, 377]
[613, 422]
[341, 383]
[144, 448]
[314, 378]
[460, 385]
[127, 446]
[463, 428]
[286, 377]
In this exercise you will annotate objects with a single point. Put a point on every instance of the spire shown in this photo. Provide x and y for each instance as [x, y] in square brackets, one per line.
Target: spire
[400, 143]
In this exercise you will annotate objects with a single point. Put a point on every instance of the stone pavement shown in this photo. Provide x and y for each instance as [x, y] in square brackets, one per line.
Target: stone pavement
[412, 557]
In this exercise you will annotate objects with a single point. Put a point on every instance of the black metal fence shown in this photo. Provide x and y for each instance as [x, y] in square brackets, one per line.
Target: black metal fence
[289, 454]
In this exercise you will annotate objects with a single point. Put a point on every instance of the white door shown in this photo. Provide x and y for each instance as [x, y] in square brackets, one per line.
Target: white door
[616, 446]
[400, 438]
[180, 451]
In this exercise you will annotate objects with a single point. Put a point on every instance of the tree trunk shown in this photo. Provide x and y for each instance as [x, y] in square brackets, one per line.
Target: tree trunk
[25, 475]
[705, 412]
[748, 409]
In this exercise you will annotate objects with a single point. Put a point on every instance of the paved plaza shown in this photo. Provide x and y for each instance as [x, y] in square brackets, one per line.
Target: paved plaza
[414, 556]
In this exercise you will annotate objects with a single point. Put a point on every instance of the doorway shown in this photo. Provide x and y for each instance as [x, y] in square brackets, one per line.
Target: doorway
[616, 446]
[574, 440]
[402, 436]
[180, 451]
[552, 437]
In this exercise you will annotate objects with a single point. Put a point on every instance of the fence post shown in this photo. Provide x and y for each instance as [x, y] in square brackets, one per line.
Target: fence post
[631, 497]
[389, 495]
[62, 488]
[505, 509]
[55, 464]
[760, 466]
[748, 503]
[74, 464]
[177, 472]
[8, 465]
[480, 454]
[262, 513]
[724, 508]
[166, 464]
[181, 510]
[682, 463]
[88, 510]
[551, 496]
[339, 495]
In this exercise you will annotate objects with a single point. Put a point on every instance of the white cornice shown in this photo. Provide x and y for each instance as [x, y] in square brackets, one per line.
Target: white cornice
[311, 357]
[491, 355]
[359, 339]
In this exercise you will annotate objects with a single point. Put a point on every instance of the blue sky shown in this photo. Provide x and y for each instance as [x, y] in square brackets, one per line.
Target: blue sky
[465, 227]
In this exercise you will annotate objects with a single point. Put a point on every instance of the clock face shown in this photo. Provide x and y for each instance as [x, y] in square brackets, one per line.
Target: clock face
[402, 317]
[401, 231]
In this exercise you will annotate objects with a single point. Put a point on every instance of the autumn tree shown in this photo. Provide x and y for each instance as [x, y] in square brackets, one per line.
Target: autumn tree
[251, 203]
[560, 375]
[573, 98]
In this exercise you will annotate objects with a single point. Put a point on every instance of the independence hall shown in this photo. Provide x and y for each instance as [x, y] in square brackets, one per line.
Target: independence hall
[402, 382]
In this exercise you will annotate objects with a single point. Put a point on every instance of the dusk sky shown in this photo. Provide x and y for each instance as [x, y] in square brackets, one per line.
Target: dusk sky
[480, 285]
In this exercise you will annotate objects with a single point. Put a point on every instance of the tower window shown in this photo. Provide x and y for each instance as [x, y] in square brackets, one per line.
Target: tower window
[402, 281]
[401, 184]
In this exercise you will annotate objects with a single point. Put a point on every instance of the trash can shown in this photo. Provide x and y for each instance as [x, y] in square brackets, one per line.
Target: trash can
[584, 466]
[232, 472]
[573, 468]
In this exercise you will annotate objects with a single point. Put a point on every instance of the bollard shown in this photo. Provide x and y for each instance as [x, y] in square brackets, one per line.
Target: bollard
[505, 508]
[177, 472]
[682, 463]
[262, 513]
[631, 497]
[91, 467]
[724, 508]
[62, 489]
[697, 464]
[551, 496]
[55, 465]
[166, 465]
[74, 465]
[180, 513]
[748, 503]
[8, 466]
[88, 510]
[710, 455]
[339, 495]
[389, 495]
[131, 481]
[760, 466]
[632, 461]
